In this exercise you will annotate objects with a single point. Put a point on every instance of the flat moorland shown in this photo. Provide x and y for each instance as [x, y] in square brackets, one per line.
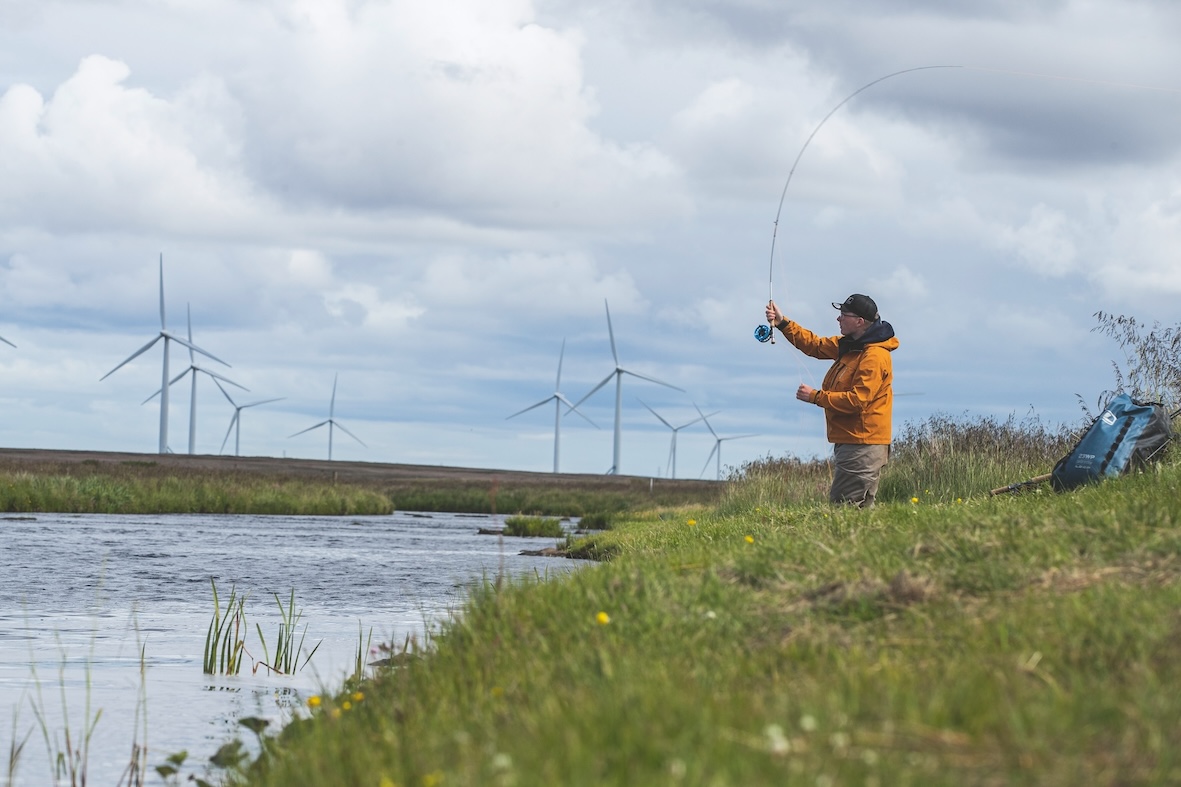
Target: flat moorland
[102, 482]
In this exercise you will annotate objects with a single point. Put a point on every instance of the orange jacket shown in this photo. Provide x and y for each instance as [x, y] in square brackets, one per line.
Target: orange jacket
[857, 393]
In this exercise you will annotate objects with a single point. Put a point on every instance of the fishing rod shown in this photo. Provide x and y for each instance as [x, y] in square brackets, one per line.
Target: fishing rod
[764, 333]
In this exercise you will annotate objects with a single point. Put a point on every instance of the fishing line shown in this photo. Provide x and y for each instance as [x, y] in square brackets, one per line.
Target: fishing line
[764, 332]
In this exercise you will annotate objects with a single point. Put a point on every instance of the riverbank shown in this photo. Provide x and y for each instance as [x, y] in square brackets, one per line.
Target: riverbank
[112, 482]
[1021, 639]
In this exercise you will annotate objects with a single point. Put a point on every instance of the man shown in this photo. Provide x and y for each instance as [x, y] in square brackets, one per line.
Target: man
[857, 393]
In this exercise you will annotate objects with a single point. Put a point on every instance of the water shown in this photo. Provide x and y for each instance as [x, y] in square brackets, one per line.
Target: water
[82, 596]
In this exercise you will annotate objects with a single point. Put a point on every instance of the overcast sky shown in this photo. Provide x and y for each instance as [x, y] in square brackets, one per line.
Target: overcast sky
[428, 199]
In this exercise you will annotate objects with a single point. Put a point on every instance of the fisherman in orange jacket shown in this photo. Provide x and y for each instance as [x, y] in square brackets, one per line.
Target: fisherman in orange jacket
[857, 393]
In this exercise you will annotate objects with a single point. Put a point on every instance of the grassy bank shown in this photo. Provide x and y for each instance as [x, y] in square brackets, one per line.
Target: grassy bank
[956, 639]
[180, 484]
[135, 492]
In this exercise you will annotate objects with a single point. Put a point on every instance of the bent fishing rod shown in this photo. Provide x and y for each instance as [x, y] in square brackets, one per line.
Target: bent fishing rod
[764, 332]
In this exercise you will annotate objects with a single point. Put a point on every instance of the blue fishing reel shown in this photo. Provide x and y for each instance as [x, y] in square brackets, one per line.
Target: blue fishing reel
[763, 333]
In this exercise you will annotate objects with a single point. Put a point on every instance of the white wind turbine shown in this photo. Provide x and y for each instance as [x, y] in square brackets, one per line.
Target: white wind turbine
[618, 375]
[193, 368]
[167, 337]
[331, 422]
[672, 447]
[236, 421]
[717, 449]
[559, 399]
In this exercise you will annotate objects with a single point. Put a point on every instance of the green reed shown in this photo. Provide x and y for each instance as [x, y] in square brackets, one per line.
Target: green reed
[533, 527]
[286, 660]
[225, 641]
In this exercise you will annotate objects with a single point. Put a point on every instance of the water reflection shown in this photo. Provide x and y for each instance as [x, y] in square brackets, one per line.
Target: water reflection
[83, 597]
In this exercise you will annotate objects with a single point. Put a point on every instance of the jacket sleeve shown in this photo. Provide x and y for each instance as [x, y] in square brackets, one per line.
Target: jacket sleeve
[809, 343]
[872, 373]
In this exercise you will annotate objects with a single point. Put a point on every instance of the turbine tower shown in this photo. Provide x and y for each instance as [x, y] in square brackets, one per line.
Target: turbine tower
[167, 337]
[717, 449]
[236, 420]
[193, 368]
[672, 448]
[558, 399]
[331, 422]
[618, 375]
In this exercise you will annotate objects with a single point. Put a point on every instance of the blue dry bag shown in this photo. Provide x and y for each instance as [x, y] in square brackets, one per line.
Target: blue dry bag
[1126, 434]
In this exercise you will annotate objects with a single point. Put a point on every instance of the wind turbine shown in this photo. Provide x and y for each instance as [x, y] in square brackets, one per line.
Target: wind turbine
[236, 421]
[558, 399]
[331, 423]
[717, 449]
[672, 448]
[193, 368]
[618, 375]
[167, 337]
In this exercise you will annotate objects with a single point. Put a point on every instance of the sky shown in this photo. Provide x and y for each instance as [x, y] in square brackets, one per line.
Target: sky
[432, 204]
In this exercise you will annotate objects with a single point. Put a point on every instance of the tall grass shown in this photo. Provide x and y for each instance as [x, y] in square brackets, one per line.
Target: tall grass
[942, 459]
[128, 493]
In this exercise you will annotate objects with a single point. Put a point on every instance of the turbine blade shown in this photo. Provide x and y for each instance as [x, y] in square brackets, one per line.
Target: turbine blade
[705, 418]
[224, 392]
[332, 403]
[573, 409]
[611, 334]
[561, 354]
[340, 426]
[264, 401]
[217, 377]
[652, 380]
[666, 423]
[133, 356]
[163, 324]
[225, 439]
[189, 316]
[310, 428]
[606, 380]
[711, 456]
[10, 344]
[546, 400]
[192, 346]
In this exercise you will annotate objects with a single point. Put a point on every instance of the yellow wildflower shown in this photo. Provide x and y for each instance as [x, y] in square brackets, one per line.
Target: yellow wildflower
[692, 522]
[314, 701]
[358, 696]
[750, 539]
[346, 705]
[603, 618]
[914, 500]
[386, 781]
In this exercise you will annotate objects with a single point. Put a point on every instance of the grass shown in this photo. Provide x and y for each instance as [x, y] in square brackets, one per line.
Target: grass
[946, 638]
[533, 527]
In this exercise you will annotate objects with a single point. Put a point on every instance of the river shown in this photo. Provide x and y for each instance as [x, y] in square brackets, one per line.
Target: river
[83, 597]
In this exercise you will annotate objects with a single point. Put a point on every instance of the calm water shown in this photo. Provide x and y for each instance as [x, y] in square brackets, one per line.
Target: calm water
[80, 596]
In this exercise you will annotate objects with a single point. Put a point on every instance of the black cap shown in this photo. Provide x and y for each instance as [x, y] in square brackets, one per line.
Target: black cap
[861, 305]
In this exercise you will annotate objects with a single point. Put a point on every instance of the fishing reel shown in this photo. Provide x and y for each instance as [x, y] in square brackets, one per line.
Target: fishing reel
[764, 334]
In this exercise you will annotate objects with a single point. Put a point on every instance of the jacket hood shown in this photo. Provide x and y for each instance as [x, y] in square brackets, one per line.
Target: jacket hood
[880, 332]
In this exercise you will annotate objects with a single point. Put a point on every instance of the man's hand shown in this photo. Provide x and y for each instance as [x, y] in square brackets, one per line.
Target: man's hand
[806, 393]
[774, 316]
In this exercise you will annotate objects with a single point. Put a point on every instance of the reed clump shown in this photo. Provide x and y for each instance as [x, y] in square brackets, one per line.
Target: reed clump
[533, 527]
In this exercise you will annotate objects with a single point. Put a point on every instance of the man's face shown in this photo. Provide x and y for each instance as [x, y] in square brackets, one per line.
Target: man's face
[851, 324]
